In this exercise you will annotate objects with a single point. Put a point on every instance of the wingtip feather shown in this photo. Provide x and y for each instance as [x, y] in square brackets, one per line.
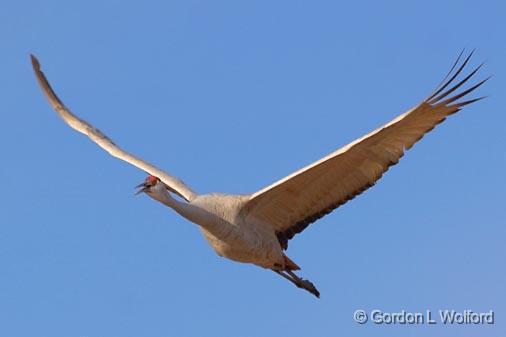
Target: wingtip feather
[35, 62]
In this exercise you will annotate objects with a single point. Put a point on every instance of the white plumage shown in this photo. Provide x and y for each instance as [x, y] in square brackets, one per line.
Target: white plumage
[255, 228]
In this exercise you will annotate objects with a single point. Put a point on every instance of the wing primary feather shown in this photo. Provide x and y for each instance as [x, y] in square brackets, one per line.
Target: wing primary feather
[464, 103]
[320, 192]
[455, 87]
[174, 184]
[459, 70]
[75, 122]
[448, 74]
[463, 93]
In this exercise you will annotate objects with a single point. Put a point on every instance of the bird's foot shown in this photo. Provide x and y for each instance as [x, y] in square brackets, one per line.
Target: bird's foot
[309, 286]
[299, 282]
[304, 284]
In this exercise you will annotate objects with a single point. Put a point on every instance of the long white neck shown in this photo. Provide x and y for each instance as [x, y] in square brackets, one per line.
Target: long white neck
[212, 223]
[191, 212]
[161, 194]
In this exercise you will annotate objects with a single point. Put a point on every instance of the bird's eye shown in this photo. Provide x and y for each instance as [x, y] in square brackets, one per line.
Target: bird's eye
[151, 180]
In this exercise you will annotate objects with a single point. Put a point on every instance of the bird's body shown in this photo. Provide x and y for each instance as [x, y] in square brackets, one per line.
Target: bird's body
[226, 229]
[236, 238]
[255, 228]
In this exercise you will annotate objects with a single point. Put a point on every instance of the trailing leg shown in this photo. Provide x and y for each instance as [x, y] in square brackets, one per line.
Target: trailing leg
[299, 282]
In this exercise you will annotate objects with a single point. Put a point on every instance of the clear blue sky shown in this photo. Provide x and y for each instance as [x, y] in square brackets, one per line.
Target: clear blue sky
[231, 96]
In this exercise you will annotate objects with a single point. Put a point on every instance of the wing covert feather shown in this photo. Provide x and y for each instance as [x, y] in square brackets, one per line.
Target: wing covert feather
[310, 193]
[173, 183]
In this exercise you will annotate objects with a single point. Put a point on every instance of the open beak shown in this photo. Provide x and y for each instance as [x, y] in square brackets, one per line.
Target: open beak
[143, 188]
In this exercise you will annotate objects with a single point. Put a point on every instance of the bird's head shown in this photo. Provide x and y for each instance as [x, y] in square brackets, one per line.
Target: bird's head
[156, 189]
[149, 184]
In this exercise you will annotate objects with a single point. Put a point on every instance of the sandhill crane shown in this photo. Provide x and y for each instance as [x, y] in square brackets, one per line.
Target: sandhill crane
[255, 228]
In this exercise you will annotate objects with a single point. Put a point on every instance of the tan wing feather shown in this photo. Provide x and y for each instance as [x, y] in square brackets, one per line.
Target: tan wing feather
[174, 184]
[301, 198]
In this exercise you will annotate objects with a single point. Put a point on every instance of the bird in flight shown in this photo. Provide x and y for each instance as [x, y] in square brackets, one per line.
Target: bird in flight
[255, 228]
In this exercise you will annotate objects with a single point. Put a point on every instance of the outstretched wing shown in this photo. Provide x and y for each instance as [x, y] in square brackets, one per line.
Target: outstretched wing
[174, 184]
[303, 197]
